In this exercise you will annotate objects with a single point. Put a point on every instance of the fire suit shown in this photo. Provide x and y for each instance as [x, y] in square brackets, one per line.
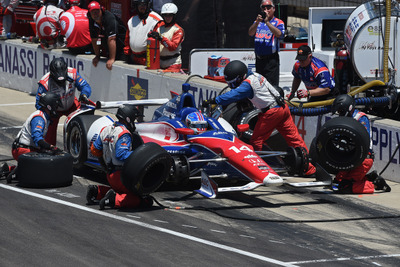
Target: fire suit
[47, 20]
[272, 116]
[136, 36]
[171, 46]
[114, 144]
[67, 93]
[33, 130]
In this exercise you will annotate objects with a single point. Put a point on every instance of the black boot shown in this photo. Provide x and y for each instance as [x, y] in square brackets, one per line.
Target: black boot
[146, 202]
[4, 170]
[380, 184]
[91, 194]
[12, 175]
[108, 200]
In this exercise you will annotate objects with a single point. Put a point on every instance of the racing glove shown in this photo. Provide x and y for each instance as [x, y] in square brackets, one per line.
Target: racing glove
[290, 96]
[155, 35]
[303, 93]
[208, 102]
[2, 9]
[83, 98]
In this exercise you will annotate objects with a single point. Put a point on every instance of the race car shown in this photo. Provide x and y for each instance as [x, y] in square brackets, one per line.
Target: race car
[215, 151]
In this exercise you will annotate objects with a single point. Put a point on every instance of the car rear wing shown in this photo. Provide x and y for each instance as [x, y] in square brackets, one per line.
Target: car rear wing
[145, 102]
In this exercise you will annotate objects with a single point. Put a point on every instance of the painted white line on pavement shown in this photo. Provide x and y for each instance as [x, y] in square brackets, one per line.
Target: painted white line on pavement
[17, 104]
[149, 226]
[347, 259]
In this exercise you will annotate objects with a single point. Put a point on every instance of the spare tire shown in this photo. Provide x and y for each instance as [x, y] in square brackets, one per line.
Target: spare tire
[41, 170]
[342, 144]
[146, 169]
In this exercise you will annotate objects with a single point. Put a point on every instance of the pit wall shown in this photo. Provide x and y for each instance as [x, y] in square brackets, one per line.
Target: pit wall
[22, 65]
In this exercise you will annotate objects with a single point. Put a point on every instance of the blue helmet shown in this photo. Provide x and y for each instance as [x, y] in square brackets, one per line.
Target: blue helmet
[196, 122]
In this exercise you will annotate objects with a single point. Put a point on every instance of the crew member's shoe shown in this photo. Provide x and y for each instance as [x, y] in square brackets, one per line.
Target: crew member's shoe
[91, 194]
[12, 175]
[146, 202]
[108, 200]
[4, 170]
[380, 184]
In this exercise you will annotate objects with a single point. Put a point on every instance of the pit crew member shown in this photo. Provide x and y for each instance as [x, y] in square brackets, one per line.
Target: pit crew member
[7, 12]
[63, 81]
[47, 20]
[267, 31]
[107, 32]
[75, 27]
[314, 74]
[31, 136]
[357, 181]
[113, 146]
[139, 26]
[274, 113]
[171, 36]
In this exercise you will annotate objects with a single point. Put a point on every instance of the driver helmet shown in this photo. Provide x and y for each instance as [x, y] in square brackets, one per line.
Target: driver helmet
[235, 73]
[127, 114]
[196, 122]
[51, 101]
[343, 105]
[58, 70]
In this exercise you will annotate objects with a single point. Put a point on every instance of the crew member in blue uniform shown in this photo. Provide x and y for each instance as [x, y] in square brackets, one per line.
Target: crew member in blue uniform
[267, 31]
[314, 74]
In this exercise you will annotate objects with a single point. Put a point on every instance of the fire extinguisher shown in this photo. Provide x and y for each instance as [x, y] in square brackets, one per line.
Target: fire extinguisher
[153, 54]
[341, 63]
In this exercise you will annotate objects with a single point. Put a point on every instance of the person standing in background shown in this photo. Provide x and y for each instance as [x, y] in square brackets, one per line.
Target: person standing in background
[7, 12]
[267, 31]
[171, 36]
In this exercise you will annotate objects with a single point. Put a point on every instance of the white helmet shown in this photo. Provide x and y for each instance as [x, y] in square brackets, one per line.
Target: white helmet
[169, 8]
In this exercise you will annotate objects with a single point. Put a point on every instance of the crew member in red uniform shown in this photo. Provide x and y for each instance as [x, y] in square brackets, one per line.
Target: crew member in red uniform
[47, 20]
[139, 26]
[357, 181]
[63, 81]
[75, 27]
[113, 146]
[8, 17]
[274, 113]
[171, 36]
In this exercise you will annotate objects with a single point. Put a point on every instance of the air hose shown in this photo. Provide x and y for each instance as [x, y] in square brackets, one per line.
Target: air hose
[365, 101]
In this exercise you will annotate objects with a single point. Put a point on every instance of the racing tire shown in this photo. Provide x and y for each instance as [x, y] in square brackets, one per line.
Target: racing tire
[76, 138]
[342, 144]
[41, 170]
[146, 169]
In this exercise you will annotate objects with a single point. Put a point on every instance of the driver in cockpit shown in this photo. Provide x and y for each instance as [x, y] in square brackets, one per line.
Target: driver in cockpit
[197, 122]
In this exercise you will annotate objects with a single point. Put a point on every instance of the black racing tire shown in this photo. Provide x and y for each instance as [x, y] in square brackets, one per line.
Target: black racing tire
[76, 139]
[146, 169]
[41, 170]
[342, 144]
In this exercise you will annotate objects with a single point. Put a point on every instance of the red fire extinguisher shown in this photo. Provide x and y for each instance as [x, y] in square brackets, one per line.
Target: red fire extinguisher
[153, 54]
[342, 70]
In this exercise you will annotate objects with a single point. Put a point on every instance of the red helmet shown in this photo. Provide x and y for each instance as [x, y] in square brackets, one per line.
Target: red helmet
[73, 2]
[342, 54]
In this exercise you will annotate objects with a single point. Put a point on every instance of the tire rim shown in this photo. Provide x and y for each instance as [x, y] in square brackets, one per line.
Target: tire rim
[75, 142]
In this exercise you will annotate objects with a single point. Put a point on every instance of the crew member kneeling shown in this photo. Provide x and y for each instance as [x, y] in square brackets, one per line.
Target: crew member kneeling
[113, 147]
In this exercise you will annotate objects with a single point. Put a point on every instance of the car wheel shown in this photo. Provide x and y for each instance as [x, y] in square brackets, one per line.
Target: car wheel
[41, 170]
[146, 169]
[342, 144]
[296, 160]
[77, 132]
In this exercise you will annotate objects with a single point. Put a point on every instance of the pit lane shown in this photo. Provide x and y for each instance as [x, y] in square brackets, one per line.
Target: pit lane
[268, 226]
